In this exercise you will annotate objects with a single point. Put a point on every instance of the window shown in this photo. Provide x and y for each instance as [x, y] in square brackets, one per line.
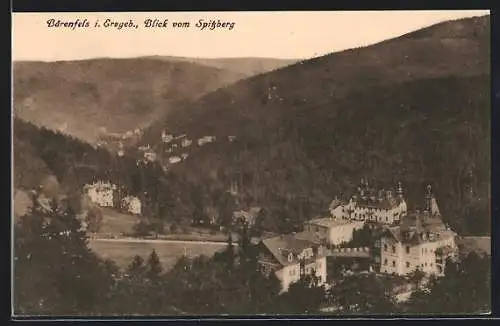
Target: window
[319, 265]
[425, 264]
[317, 229]
[385, 261]
[407, 264]
[407, 249]
[393, 263]
[386, 219]
[393, 249]
[385, 247]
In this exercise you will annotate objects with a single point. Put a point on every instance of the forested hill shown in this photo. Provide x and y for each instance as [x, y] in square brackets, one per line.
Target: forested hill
[80, 97]
[413, 109]
[247, 66]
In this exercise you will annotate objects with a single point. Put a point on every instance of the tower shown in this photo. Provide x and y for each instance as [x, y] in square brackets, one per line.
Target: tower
[430, 202]
[399, 190]
[428, 199]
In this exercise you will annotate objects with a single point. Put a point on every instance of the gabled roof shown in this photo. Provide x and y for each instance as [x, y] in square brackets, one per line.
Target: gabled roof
[329, 222]
[379, 203]
[420, 227]
[281, 246]
[336, 203]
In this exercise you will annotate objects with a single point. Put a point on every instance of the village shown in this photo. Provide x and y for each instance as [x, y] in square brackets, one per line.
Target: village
[402, 244]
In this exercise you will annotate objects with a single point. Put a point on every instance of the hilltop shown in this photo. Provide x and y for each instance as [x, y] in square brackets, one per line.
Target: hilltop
[114, 95]
[246, 66]
[413, 109]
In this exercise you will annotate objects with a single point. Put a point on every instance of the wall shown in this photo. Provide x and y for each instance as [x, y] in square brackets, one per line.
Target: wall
[344, 232]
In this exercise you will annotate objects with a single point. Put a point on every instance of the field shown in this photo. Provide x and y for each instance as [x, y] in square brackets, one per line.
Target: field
[116, 223]
[123, 251]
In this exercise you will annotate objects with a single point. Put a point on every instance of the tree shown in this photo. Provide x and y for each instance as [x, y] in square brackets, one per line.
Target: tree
[154, 268]
[465, 288]
[303, 296]
[94, 219]
[361, 294]
[142, 228]
[136, 267]
[55, 271]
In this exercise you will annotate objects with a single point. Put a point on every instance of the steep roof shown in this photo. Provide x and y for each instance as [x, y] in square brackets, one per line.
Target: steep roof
[329, 222]
[336, 203]
[281, 246]
[419, 225]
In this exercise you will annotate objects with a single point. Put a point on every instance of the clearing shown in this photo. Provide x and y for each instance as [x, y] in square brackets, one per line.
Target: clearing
[123, 251]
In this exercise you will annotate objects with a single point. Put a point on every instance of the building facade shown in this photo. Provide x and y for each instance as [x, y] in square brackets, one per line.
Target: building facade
[330, 230]
[370, 204]
[290, 258]
[421, 241]
[101, 193]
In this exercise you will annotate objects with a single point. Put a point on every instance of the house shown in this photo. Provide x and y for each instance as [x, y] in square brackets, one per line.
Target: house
[247, 217]
[330, 230]
[166, 138]
[174, 159]
[186, 142]
[101, 193]
[421, 241]
[289, 258]
[150, 156]
[370, 204]
[206, 139]
[132, 204]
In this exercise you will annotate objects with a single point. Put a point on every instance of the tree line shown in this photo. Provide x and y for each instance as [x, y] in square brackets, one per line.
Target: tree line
[55, 273]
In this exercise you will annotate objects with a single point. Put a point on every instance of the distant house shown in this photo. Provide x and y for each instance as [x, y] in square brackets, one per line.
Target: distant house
[166, 138]
[290, 258]
[186, 142]
[184, 156]
[174, 159]
[246, 217]
[330, 230]
[101, 193]
[132, 204]
[206, 139]
[231, 138]
[149, 155]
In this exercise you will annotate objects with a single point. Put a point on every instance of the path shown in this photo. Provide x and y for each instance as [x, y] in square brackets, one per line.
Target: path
[137, 240]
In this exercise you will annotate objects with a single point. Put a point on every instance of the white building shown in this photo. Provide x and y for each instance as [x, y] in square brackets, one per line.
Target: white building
[186, 142]
[174, 159]
[206, 139]
[101, 193]
[330, 230]
[132, 204]
[369, 204]
[422, 241]
[149, 156]
[184, 156]
[289, 258]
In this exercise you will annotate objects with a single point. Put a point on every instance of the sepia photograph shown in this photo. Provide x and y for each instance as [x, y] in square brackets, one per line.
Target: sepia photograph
[279, 163]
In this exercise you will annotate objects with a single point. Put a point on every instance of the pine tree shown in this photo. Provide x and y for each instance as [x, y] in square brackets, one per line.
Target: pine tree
[154, 268]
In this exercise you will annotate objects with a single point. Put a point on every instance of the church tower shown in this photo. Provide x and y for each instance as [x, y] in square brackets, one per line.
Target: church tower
[399, 190]
[431, 203]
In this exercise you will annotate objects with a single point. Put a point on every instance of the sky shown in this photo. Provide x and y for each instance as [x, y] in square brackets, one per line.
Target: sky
[280, 34]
